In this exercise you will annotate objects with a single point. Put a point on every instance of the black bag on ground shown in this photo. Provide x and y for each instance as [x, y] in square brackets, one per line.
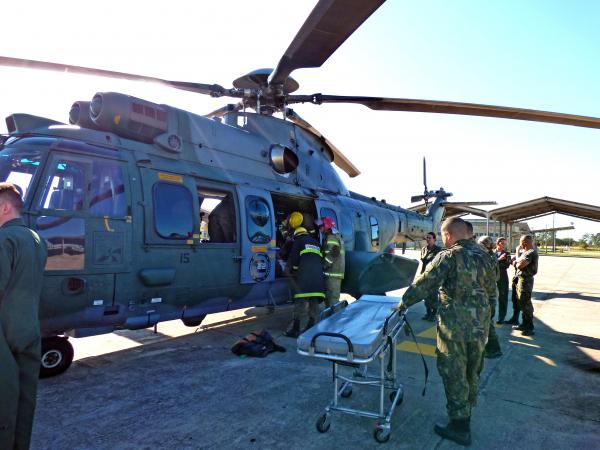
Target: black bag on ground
[256, 344]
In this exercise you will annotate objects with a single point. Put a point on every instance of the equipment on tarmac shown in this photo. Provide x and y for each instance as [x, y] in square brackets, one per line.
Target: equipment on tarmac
[363, 332]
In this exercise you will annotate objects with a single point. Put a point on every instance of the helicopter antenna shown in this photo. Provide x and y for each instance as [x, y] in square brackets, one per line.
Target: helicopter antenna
[426, 191]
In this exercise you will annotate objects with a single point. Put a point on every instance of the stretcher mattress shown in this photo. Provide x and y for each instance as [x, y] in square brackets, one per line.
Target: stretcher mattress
[361, 322]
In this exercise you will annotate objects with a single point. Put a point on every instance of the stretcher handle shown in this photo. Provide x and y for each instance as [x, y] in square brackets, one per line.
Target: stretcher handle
[333, 309]
[387, 319]
[336, 335]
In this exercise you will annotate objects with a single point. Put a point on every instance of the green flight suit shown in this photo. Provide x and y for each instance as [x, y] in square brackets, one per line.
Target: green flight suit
[22, 260]
[460, 276]
[334, 264]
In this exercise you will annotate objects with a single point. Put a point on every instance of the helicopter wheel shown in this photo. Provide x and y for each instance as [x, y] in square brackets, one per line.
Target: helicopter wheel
[193, 321]
[57, 356]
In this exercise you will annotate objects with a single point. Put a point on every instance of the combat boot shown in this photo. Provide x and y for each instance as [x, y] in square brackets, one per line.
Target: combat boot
[293, 330]
[457, 430]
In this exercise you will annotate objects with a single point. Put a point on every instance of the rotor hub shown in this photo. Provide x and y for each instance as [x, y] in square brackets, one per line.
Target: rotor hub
[259, 80]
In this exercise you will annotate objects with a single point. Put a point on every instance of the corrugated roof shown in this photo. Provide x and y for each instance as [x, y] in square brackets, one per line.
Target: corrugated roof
[522, 211]
[543, 206]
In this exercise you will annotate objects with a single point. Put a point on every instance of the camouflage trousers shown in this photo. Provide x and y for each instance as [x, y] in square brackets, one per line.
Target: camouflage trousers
[18, 387]
[459, 364]
[524, 291]
[333, 287]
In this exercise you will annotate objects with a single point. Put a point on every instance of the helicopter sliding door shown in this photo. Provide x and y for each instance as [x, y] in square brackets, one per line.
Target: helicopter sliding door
[81, 209]
[257, 235]
[191, 241]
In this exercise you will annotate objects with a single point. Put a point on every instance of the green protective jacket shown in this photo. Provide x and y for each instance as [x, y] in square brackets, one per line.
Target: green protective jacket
[22, 260]
[334, 259]
[461, 273]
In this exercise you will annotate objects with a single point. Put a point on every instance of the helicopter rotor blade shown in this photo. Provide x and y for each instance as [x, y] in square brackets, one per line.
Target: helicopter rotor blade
[214, 90]
[417, 198]
[329, 24]
[339, 159]
[443, 107]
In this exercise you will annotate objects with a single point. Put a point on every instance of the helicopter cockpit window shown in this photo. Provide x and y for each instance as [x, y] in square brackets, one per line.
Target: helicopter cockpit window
[374, 231]
[107, 189]
[217, 216]
[65, 186]
[18, 166]
[173, 211]
[258, 220]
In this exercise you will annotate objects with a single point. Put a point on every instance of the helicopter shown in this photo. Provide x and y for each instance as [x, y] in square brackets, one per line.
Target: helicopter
[153, 213]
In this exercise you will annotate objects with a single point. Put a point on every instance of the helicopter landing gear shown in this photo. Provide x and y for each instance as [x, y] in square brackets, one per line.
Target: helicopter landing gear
[57, 356]
[193, 321]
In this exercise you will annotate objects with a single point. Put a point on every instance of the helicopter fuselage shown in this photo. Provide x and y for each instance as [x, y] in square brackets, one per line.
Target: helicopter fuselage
[149, 220]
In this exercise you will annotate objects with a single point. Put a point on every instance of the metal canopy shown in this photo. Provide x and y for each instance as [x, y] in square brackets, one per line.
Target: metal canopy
[543, 206]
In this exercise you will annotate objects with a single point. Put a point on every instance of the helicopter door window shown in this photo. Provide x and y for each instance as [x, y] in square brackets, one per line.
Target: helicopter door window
[258, 220]
[173, 211]
[65, 186]
[107, 189]
[346, 227]
[217, 216]
[374, 231]
[328, 212]
[65, 238]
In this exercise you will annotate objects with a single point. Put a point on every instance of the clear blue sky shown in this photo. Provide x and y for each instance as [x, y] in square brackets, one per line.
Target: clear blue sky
[531, 54]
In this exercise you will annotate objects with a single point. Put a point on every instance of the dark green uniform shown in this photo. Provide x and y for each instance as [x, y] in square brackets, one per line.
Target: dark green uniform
[503, 285]
[525, 287]
[22, 261]
[334, 263]
[461, 275]
[431, 302]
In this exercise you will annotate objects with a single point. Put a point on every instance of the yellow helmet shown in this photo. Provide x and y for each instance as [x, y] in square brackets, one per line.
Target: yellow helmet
[295, 219]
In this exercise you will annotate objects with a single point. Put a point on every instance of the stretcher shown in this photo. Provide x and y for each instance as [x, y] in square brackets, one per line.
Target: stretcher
[354, 336]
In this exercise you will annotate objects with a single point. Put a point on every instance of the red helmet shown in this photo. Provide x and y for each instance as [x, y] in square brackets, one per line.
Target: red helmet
[326, 222]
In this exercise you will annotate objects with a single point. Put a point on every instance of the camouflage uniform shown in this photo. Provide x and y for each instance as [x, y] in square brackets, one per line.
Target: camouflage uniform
[427, 255]
[333, 266]
[461, 275]
[525, 287]
[493, 345]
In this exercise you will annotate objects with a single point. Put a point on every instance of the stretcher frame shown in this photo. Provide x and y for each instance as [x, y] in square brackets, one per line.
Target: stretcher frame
[386, 379]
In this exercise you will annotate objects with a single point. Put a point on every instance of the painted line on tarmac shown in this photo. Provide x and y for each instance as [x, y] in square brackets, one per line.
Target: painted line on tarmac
[429, 333]
[411, 347]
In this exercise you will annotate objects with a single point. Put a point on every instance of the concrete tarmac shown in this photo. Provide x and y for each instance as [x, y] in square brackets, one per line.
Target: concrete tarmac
[181, 389]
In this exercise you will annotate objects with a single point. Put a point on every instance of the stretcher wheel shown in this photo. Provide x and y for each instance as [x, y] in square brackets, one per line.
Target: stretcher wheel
[347, 391]
[381, 434]
[393, 394]
[323, 423]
